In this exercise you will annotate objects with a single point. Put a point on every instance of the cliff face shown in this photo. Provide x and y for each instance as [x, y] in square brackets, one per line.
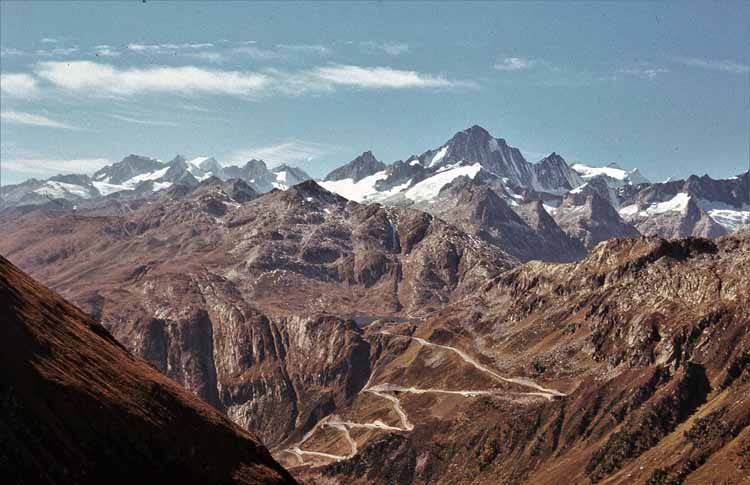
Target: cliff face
[78, 408]
[269, 375]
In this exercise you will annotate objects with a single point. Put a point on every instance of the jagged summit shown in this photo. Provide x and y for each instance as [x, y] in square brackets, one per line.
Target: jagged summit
[363, 166]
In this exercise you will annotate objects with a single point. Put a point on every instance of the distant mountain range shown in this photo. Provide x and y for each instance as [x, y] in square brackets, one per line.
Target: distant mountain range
[135, 175]
[590, 204]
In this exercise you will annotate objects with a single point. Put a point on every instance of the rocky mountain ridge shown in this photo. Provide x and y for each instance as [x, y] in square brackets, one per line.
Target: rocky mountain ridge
[698, 206]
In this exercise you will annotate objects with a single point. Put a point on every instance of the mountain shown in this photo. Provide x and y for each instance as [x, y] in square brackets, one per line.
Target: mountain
[718, 206]
[287, 176]
[482, 207]
[464, 154]
[129, 167]
[630, 366]
[614, 176]
[248, 303]
[335, 253]
[587, 215]
[78, 408]
[60, 187]
[476, 145]
[699, 206]
[359, 168]
[139, 175]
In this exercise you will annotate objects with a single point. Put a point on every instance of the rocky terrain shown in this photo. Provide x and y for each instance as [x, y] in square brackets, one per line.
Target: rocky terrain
[628, 366]
[463, 316]
[483, 207]
[300, 250]
[77, 407]
[231, 294]
[631, 366]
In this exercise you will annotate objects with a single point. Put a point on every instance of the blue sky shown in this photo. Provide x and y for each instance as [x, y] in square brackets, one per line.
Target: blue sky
[661, 87]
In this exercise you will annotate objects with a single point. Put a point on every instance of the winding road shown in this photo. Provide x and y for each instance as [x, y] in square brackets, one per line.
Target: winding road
[384, 391]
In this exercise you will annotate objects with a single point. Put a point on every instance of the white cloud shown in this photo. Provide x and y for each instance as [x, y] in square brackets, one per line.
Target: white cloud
[48, 167]
[279, 52]
[143, 122]
[58, 52]
[31, 119]
[257, 53]
[725, 65]
[391, 48]
[305, 48]
[10, 51]
[49, 40]
[105, 79]
[100, 79]
[18, 85]
[514, 64]
[193, 107]
[293, 151]
[648, 73]
[382, 77]
[105, 50]
[163, 48]
[209, 56]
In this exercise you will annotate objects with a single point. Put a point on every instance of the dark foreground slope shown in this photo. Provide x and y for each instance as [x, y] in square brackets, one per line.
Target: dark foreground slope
[76, 407]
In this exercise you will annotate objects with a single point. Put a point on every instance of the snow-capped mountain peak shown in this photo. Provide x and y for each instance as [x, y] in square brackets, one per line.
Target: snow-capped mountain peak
[615, 176]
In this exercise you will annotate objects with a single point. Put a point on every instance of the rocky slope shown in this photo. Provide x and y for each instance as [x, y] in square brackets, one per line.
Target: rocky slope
[78, 408]
[482, 206]
[587, 215]
[231, 295]
[335, 254]
[631, 366]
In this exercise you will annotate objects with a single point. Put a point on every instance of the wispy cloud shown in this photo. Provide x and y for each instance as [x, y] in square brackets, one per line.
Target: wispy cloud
[280, 52]
[305, 48]
[391, 48]
[383, 77]
[515, 64]
[292, 151]
[725, 65]
[105, 50]
[193, 107]
[100, 79]
[31, 119]
[163, 48]
[649, 73]
[18, 85]
[48, 167]
[209, 56]
[142, 121]
[105, 79]
[256, 53]
[57, 52]
[10, 51]
[49, 40]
